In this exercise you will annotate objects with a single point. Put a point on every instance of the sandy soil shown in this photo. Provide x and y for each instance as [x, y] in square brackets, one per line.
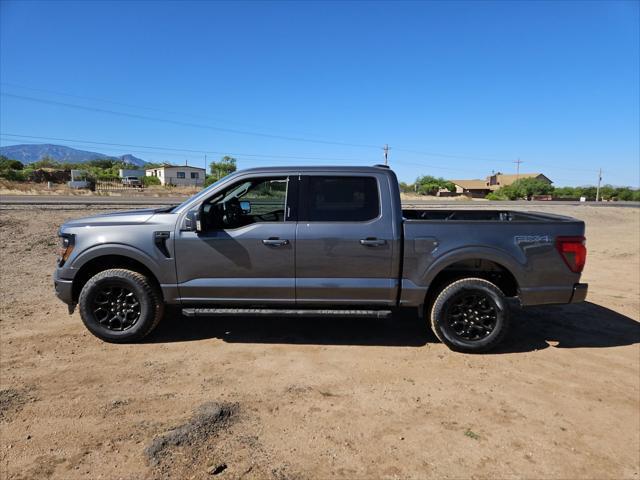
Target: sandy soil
[246, 398]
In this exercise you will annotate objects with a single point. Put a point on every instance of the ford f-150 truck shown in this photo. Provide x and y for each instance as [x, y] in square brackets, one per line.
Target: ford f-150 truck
[317, 241]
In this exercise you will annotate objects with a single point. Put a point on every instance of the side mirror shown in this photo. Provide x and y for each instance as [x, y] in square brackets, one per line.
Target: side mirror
[192, 222]
[245, 205]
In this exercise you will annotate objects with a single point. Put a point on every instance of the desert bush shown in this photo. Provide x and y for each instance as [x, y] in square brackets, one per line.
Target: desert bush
[149, 180]
[428, 185]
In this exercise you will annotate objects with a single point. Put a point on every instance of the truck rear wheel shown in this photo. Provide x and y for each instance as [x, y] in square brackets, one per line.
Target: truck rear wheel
[120, 306]
[470, 315]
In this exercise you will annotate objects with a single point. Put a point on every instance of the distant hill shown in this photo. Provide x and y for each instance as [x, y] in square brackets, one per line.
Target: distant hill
[32, 153]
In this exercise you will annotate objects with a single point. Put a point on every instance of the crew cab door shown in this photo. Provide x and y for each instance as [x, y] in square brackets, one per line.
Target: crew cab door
[244, 252]
[346, 244]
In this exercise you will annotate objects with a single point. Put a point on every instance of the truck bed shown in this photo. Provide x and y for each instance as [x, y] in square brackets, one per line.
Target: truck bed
[522, 243]
[481, 216]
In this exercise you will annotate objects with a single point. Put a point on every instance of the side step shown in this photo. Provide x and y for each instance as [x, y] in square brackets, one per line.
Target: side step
[268, 312]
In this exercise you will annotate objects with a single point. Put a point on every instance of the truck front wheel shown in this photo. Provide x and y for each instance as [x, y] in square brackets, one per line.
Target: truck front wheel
[120, 305]
[470, 315]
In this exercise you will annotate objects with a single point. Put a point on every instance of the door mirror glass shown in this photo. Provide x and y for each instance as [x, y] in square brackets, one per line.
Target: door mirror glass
[192, 221]
[245, 205]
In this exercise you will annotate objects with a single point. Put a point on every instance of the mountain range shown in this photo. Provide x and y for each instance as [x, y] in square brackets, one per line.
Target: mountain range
[29, 153]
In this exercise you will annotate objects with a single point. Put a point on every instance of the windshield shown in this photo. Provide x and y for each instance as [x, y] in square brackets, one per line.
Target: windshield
[200, 194]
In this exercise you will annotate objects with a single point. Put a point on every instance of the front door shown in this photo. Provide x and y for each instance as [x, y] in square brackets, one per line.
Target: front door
[245, 253]
[346, 241]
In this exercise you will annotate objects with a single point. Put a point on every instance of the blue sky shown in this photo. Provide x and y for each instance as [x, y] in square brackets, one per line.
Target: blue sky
[457, 89]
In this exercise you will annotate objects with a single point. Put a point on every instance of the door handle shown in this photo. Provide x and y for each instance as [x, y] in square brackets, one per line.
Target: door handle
[372, 242]
[275, 242]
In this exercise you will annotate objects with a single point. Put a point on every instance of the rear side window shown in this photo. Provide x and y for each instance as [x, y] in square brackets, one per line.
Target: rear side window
[341, 199]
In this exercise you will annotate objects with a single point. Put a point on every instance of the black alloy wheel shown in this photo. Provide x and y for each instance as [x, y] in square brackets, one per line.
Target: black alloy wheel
[116, 307]
[471, 315]
[120, 305]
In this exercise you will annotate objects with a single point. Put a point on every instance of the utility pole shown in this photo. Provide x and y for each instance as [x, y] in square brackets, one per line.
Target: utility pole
[599, 180]
[386, 154]
[205, 165]
[518, 162]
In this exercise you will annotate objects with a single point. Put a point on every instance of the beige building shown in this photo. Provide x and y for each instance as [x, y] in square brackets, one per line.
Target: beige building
[480, 188]
[177, 175]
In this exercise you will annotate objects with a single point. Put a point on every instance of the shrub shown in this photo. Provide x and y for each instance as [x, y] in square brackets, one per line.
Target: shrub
[14, 175]
[209, 180]
[149, 180]
[10, 164]
[428, 185]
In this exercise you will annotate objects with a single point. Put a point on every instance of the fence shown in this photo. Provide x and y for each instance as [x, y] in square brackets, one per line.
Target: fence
[186, 181]
[115, 186]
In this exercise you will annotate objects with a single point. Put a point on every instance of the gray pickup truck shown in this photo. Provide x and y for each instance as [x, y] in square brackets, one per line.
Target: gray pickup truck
[317, 241]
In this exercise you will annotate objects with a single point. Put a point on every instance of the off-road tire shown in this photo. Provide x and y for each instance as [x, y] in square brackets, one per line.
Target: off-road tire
[442, 304]
[150, 300]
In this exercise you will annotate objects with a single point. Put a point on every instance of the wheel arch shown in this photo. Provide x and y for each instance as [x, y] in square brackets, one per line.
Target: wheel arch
[106, 261]
[488, 264]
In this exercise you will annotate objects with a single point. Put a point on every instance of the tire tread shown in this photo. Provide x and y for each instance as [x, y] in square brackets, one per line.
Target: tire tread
[143, 282]
[442, 297]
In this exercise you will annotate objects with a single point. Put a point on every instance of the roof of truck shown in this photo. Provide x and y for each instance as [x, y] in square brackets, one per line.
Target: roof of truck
[328, 168]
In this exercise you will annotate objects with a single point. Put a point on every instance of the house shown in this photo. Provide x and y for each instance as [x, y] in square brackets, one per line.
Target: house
[472, 188]
[177, 176]
[478, 188]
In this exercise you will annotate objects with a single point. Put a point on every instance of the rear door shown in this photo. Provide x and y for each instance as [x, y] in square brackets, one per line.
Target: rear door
[345, 242]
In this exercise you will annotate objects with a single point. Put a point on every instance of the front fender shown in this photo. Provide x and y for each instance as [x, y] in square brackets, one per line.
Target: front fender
[163, 273]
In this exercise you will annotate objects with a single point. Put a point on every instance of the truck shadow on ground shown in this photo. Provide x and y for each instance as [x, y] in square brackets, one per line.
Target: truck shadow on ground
[585, 325]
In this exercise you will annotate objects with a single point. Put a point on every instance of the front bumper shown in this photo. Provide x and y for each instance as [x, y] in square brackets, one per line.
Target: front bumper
[63, 288]
[579, 292]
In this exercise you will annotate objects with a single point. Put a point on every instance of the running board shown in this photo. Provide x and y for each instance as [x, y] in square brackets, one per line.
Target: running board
[269, 312]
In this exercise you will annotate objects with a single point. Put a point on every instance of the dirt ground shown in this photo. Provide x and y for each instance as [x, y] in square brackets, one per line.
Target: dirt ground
[321, 398]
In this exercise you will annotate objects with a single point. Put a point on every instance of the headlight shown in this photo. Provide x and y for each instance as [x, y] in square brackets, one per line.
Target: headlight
[65, 249]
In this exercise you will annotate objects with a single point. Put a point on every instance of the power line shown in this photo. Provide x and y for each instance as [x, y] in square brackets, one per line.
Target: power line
[245, 132]
[186, 124]
[197, 153]
[180, 150]
[191, 153]
[130, 105]
[212, 127]
[518, 162]
[172, 156]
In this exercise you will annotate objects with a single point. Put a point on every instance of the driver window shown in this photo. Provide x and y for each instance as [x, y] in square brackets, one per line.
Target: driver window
[246, 202]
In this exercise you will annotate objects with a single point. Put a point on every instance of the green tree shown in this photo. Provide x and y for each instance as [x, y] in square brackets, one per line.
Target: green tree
[428, 185]
[150, 180]
[45, 162]
[224, 167]
[407, 187]
[522, 188]
[7, 163]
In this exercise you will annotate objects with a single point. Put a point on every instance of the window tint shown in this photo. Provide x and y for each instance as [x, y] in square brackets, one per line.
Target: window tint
[342, 199]
[249, 201]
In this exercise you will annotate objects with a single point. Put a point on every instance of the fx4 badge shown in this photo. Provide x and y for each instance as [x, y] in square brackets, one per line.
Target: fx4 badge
[532, 239]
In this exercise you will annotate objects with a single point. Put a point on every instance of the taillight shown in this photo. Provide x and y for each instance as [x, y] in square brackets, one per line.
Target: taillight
[573, 252]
